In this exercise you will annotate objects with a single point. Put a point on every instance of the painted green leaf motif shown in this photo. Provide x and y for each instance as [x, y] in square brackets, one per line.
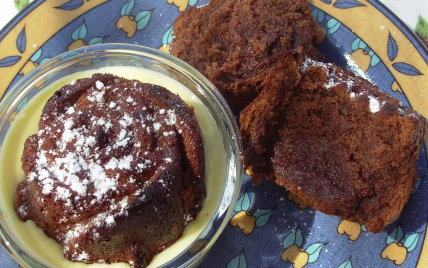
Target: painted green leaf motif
[314, 251]
[20, 4]
[238, 262]
[21, 41]
[332, 25]
[299, 237]
[143, 19]
[9, 61]
[193, 2]
[96, 40]
[71, 5]
[418, 183]
[318, 15]
[406, 68]
[421, 28]
[293, 238]
[289, 240]
[363, 227]
[345, 4]
[44, 60]
[126, 9]
[262, 216]
[36, 55]
[167, 36]
[411, 241]
[22, 104]
[358, 44]
[355, 44]
[243, 203]
[395, 236]
[346, 264]
[392, 48]
[374, 58]
[80, 33]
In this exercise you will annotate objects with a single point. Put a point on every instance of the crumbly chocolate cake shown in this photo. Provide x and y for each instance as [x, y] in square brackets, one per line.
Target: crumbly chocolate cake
[337, 141]
[235, 43]
[115, 172]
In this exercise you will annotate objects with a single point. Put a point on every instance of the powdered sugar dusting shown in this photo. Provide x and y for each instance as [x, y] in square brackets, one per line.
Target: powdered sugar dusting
[332, 78]
[335, 76]
[75, 166]
[156, 126]
[356, 69]
[95, 154]
[171, 118]
[99, 84]
[374, 104]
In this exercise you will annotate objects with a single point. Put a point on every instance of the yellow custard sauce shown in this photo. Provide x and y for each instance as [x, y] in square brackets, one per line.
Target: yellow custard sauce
[48, 251]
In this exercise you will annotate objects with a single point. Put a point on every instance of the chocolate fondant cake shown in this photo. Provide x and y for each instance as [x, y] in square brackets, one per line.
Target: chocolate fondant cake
[115, 172]
[334, 139]
[236, 43]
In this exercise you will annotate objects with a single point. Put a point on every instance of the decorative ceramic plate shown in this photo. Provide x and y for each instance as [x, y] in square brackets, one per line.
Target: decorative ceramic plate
[271, 228]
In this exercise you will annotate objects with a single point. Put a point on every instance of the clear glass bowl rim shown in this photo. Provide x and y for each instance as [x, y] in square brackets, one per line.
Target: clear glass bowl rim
[230, 133]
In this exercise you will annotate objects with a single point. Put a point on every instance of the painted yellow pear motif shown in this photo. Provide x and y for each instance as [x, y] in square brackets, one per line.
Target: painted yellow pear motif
[20, 106]
[79, 36]
[361, 59]
[12, 117]
[180, 4]
[245, 221]
[165, 48]
[32, 62]
[396, 252]
[325, 26]
[396, 87]
[77, 44]
[30, 65]
[322, 34]
[362, 56]
[295, 255]
[127, 24]
[296, 199]
[130, 24]
[352, 229]
[197, 246]
[39, 83]
[201, 242]
[249, 171]
[86, 63]
[166, 40]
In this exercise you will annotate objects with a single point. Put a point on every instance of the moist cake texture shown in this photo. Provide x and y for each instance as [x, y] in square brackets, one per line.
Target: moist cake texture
[235, 44]
[112, 155]
[334, 139]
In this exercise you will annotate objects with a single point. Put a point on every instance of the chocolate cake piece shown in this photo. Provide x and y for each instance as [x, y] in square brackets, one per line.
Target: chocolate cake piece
[115, 172]
[259, 120]
[335, 140]
[235, 43]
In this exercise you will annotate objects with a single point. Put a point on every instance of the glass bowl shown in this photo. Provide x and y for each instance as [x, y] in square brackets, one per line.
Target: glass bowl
[71, 65]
